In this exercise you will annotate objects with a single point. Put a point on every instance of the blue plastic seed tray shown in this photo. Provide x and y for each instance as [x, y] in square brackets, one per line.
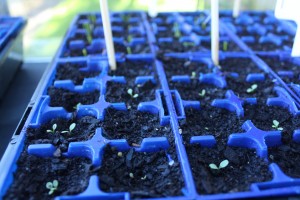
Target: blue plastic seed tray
[10, 26]
[165, 101]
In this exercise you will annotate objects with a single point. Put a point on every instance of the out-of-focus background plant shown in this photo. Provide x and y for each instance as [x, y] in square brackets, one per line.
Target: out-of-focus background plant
[48, 20]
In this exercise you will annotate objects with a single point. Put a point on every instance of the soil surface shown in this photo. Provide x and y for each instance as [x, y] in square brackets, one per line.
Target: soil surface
[244, 168]
[193, 91]
[144, 175]
[133, 69]
[84, 130]
[70, 71]
[287, 157]
[210, 120]
[33, 173]
[69, 100]
[133, 126]
[117, 92]
[173, 67]
[242, 66]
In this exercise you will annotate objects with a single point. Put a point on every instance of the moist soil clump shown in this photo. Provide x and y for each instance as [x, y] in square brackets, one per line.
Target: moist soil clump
[84, 130]
[72, 72]
[69, 100]
[142, 174]
[33, 173]
[133, 126]
[244, 168]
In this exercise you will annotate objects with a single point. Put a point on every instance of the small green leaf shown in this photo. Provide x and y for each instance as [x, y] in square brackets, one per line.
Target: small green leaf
[254, 86]
[275, 123]
[49, 185]
[129, 91]
[213, 166]
[249, 90]
[135, 95]
[65, 132]
[72, 126]
[223, 164]
[280, 128]
[54, 127]
[55, 183]
[49, 131]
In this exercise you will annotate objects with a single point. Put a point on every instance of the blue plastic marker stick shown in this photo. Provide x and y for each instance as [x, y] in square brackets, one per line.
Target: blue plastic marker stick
[152, 8]
[215, 31]
[236, 8]
[108, 34]
[289, 10]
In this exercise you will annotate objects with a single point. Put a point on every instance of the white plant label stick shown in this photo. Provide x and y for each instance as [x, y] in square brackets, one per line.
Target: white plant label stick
[108, 34]
[152, 8]
[236, 8]
[289, 10]
[215, 31]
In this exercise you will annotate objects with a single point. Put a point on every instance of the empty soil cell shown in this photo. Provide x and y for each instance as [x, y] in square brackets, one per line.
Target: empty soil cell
[210, 120]
[30, 182]
[231, 46]
[144, 175]
[175, 66]
[194, 91]
[240, 88]
[117, 92]
[71, 71]
[262, 117]
[269, 46]
[84, 130]
[242, 66]
[132, 69]
[69, 100]
[244, 168]
[176, 46]
[133, 126]
[277, 64]
[287, 157]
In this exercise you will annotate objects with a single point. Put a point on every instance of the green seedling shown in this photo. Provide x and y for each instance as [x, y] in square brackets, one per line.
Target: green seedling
[252, 88]
[223, 164]
[225, 46]
[128, 48]
[84, 52]
[177, 33]
[188, 44]
[93, 18]
[71, 128]
[129, 38]
[52, 186]
[130, 92]
[87, 28]
[76, 107]
[89, 38]
[276, 125]
[202, 93]
[193, 76]
[54, 127]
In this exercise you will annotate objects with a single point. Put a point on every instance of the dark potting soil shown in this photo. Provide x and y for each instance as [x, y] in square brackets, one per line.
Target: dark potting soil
[117, 92]
[72, 72]
[190, 91]
[69, 100]
[239, 86]
[231, 46]
[176, 46]
[133, 69]
[33, 173]
[84, 130]
[152, 176]
[262, 117]
[210, 120]
[281, 65]
[244, 168]
[287, 157]
[242, 66]
[133, 126]
[175, 66]
[267, 46]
